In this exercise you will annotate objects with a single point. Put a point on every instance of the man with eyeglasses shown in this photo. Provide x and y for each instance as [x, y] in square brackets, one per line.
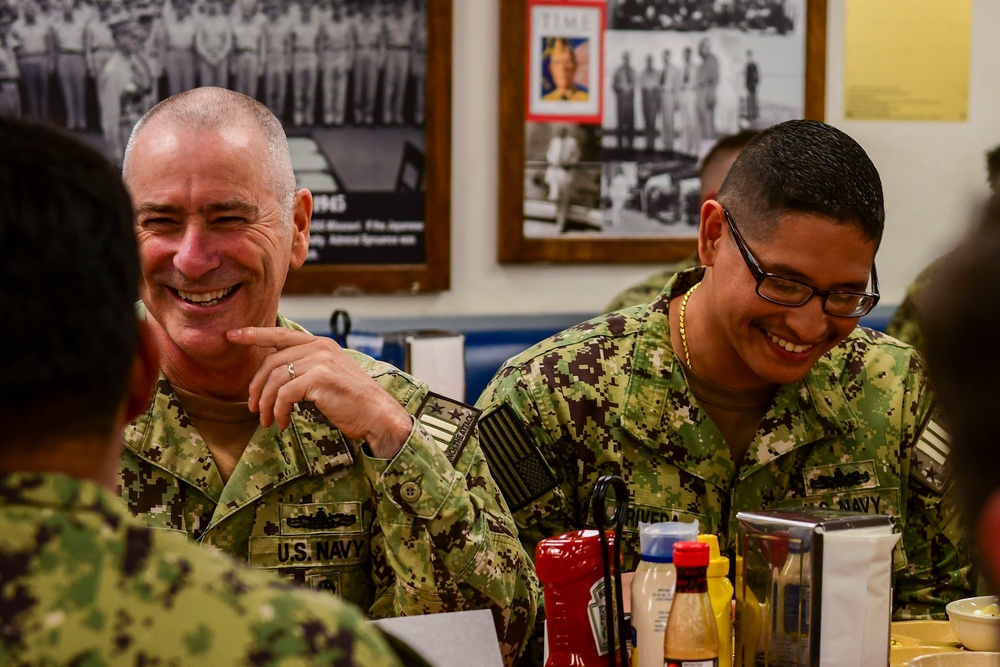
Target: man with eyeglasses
[746, 384]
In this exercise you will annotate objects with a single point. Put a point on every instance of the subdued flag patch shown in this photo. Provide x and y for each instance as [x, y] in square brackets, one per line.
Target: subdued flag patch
[514, 460]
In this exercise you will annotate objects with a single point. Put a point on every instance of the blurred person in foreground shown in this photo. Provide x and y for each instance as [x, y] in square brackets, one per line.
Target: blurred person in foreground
[713, 172]
[905, 322]
[82, 582]
[279, 447]
[746, 384]
[959, 328]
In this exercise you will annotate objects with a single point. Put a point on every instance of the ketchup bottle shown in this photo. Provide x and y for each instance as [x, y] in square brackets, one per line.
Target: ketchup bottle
[571, 570]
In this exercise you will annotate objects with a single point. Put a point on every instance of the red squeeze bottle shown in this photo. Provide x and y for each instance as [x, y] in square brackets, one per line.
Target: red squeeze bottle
[571, 570]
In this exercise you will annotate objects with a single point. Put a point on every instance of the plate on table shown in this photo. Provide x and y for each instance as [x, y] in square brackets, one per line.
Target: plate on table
[963, 659]
[927, 633]
[912, 639]
[901, 656]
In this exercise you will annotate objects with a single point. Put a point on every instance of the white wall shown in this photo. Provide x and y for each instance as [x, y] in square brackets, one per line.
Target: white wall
[931, 173]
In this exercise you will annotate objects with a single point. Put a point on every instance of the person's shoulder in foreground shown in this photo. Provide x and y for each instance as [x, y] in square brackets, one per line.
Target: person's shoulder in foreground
[339, 473]
[963, 314]
[90, 584]
[744, 385]
[80, 581]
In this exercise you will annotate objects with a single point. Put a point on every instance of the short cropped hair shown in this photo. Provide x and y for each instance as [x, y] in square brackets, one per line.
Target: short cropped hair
[959, 324]
[69, 282]
[804, 166]
[217, 109]
[731, 143]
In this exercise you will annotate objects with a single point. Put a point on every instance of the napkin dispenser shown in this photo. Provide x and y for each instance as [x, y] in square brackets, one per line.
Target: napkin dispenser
[813, 588]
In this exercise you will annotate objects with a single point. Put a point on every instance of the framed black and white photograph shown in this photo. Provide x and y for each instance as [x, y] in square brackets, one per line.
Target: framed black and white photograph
[677, 76]
[682, 75]
[562, 178]
[359, 85]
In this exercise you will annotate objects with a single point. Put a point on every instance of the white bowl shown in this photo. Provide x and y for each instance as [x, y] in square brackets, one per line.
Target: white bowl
[977, 633]
[960, 659]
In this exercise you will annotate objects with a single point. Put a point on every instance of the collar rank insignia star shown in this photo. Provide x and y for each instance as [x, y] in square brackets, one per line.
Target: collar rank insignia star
[449, 422]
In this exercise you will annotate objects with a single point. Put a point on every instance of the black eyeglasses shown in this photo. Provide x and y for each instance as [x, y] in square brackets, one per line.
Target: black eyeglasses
[788, 292]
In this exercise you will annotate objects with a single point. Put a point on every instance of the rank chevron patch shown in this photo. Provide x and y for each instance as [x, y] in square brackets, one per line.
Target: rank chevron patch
[449, 422]
[931, 461]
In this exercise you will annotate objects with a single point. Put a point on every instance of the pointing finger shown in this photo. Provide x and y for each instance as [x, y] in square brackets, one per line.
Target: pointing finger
[276, 337]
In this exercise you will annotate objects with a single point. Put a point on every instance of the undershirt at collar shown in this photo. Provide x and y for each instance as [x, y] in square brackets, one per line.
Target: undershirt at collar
[225, 426]
[735, 412]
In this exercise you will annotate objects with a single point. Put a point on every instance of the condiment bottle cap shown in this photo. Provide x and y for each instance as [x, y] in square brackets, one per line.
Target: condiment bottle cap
[691, 554]
[718, 565]
[657, 540]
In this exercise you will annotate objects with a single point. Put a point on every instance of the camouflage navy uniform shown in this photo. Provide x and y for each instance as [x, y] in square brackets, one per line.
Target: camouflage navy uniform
[425, 532]
[82, 583]
[905, 323]
[609, 396]
[650, 287]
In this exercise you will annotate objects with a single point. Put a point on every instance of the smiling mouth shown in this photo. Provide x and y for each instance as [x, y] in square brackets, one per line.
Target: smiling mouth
[205, 299]
[788, 346]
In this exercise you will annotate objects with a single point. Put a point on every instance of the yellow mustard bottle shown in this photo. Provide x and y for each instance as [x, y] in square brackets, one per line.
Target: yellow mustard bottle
[749, 624]
[720, 591]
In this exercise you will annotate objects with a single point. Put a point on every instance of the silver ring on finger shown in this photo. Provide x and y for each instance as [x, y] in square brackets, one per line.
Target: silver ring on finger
[291, 371]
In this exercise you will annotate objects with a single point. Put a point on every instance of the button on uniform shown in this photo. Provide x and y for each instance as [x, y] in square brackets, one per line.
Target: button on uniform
[410, 491]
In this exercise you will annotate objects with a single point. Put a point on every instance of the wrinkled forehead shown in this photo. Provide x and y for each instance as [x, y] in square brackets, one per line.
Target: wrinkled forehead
[161, 137]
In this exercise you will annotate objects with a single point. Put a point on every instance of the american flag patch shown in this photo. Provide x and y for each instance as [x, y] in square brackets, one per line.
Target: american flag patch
[514, 460]
[449, 422]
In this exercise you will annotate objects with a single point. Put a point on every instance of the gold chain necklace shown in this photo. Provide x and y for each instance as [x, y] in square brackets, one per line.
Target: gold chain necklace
[684, 338]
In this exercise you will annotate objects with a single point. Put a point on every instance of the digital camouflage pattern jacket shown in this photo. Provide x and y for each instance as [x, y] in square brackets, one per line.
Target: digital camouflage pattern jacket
[608, 396]
[425, 532]
[650, 287]
[905, 322]
[83, 583]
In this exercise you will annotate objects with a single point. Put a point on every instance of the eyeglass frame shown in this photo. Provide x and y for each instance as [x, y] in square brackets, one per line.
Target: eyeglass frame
[760, 275]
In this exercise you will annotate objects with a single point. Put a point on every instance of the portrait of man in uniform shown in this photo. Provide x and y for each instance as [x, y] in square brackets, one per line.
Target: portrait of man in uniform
[559, 75]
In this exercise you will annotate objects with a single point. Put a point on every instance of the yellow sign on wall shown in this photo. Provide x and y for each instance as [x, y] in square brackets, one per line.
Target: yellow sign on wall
[907, 59]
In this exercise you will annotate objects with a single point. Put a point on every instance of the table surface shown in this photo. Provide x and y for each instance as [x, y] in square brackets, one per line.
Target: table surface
[915, 638]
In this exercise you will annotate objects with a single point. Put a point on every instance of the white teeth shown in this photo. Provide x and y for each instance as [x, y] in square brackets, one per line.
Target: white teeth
[786, 345]
[205, 298]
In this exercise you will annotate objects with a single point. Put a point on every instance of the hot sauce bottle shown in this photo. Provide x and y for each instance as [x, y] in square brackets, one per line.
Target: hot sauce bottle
[691, 638]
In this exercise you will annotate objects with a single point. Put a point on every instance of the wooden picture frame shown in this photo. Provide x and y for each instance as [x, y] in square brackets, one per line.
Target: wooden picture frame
[432, 274]
[513, 245]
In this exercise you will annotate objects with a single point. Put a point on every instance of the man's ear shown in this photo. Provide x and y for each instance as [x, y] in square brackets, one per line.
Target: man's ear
[145, 371]
[302, 210]
[988, 537]
[711, 231]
